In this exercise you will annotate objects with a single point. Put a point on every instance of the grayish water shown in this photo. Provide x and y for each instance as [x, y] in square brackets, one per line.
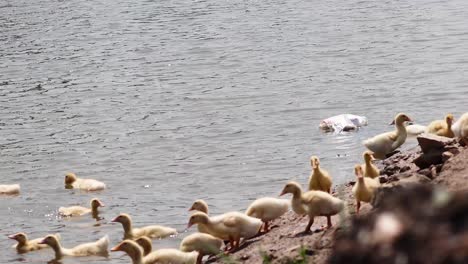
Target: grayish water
[169, 101]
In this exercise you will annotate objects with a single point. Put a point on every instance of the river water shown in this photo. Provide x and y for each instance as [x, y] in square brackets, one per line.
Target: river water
[170, 101]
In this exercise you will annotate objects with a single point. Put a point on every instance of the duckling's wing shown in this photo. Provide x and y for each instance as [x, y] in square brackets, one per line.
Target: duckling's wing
[230, 221]
[435, 126]
[382, 143]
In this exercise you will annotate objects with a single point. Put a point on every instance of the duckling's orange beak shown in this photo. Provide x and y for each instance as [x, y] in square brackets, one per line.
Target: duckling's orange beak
[42, 242]
[12, 236]
[116, 248]
[189, 225]
[115, 220]
[283, 192]
[191, 208]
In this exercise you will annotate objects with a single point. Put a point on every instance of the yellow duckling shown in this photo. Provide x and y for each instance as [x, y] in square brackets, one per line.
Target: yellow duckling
[98, 248]
[267, 209]
[230, 226]
[73, 182]
[160, 256]
[388, 142]
[9, 189]
[313, 203]
[145, 243]
[25, 245]
[370, 170]
[320, 179]
[204, 244]
[364, 189]
[80, 210]
[199, 205]
[460, 128]
[152, 231]
[442, 127]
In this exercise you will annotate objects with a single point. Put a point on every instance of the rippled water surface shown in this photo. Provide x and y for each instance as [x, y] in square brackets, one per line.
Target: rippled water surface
[169, 101]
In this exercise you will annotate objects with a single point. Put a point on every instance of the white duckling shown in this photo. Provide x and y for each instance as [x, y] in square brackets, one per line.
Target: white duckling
[73, 182]
[9, 189]
[414, 130]
[320, 179]
[25, 245]
[460, 128]
[80, 210]
[160, 256]
[152, 231]
[98, 248]
[267, 209]
[370, 170]
[230, 226]
[364, 189]
[388, 142]
[204, 244]
[313, 203]
[442, 127]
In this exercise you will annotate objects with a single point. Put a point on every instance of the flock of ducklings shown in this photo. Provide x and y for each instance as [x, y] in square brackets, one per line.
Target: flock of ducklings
[231, 227]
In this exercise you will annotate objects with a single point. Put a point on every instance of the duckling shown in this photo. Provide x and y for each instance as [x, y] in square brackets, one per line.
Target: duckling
[24, 245]
[199, 205]
[388, 142]
[230, 226]
[320, 179]
[460, 128]
[364, 189]
[73, 182]
[145, 243]
[370, 170]
[9, 189]
[98, 248]
[160, 256]
[313, 203]
[442, 127]
[267, 209]
[153, 231]
[414, 130]
[204, 244]
[80, 210]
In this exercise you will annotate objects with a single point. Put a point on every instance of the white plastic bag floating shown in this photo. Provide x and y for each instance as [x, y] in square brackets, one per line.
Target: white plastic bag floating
[344, 122]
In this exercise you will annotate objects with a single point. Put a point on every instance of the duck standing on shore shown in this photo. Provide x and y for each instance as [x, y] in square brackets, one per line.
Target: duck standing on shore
[388, 142]
[320, 179]
[442, 127]
[460, 128]
[204, 244]
[370, 170]
[313, 203]
[230, 226]
[267, 209]
[364, 189]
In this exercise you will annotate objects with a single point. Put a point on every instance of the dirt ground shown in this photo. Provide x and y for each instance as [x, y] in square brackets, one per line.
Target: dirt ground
[400, 174]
